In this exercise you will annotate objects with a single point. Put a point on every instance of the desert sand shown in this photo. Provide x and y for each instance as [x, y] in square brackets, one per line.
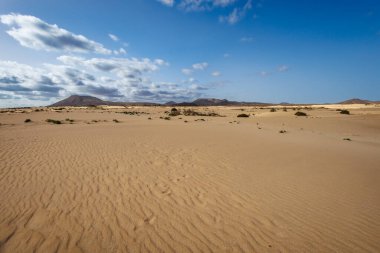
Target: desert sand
[221, 184]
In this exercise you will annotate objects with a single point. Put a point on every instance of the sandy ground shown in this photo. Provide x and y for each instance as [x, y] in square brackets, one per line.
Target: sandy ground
[225, 184]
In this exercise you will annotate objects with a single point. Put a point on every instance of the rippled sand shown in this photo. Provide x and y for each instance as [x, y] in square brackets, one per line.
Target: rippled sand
[160, 185]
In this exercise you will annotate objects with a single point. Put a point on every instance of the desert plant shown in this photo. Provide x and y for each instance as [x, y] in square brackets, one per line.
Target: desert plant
[300, 114]
[167, 118]
[27, 120]
[243, 115]
[346, 139]
[54, 121]
[272, 110]
[174, 112]
[116, 121]
[282, 131]
[345, 112]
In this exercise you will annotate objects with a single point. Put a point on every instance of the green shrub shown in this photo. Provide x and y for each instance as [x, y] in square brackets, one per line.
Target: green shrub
[58, 122]
[300, 114]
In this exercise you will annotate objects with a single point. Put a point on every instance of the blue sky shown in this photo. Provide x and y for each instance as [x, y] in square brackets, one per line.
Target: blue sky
[151, 50]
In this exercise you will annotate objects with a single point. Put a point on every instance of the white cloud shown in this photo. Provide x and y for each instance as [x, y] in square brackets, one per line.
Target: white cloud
[121, 51]
[226, 55]
[34, 33]
[113, 37]
[216, 73]
[195, 67]
[237, 13]
[240, 7]
[264, 73]
[200, 66]
[246, 39]
[167, 2]
[282, 68]
[116, 79]
[187, 71]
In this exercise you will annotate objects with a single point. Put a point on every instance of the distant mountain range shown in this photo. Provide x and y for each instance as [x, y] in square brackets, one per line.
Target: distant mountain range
[358, 101]
[77, 100]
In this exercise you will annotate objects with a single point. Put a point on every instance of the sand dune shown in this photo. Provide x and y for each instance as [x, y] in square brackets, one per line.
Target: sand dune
[202, 186]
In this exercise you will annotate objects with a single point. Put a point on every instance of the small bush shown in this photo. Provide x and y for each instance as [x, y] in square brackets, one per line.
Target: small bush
[345, 112]
[69, 120]
[174, 110]
[282, 131]
[174, 113]
[346, 139]
[149, 118]
[285, 110]
[243, 115]
[27, 120]
[167, 118]
[116, 121]
[300, 114]
[272, 110]
[54, 121]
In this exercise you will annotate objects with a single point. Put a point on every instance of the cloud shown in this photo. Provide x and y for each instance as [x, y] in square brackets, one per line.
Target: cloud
[282, 68]
[200, 66]
[246, 39]
[34, 33]
[196, 66]
[113, 37]
[187, 71]
[116, 79]
[121, 51]
[226, 55]
[169, 3]
[237, 13]
[264, 73]
[216, 73]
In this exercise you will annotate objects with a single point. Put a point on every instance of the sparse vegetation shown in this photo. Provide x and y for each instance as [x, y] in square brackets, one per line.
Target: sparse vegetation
[116, 121]
[174, 112]
[346, 139]
[300, 114]
[69, 120]
[149, 118]
[167, 118]
[58, 122]
[133, 113]
[345, 112]
[282, 131]
[243, 115]
[272, 110]
[27, 120]
[190, 112]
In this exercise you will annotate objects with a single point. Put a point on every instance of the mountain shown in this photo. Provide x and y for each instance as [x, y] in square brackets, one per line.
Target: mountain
[76, 100]
[356, 101]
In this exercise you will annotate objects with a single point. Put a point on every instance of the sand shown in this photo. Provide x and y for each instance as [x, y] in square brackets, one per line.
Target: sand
[160, 185]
